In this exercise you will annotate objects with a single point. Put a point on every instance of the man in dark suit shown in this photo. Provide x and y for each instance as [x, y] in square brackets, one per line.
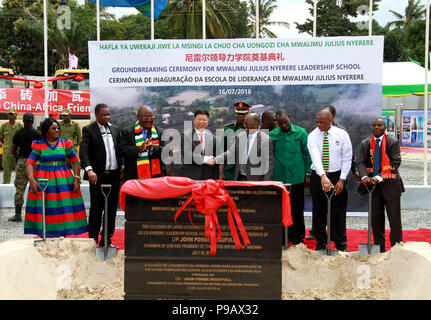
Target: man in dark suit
[199, 149]
[252, 151]
[379, 160]
[141, 147]
[101, 160]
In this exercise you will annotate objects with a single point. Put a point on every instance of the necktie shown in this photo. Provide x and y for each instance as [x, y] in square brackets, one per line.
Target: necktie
[108, 145]
[201, 136]
[325, 153]
[377, 158]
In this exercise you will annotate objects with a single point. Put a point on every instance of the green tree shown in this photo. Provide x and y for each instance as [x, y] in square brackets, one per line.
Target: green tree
[266, 9]
[21, 41]
[414, 11]
[184, 17]
[334, 19]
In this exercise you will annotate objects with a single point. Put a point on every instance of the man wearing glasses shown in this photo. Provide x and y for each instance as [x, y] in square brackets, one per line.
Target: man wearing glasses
[141, 147]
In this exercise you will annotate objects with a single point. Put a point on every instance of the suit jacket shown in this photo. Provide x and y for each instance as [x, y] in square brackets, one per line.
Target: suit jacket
[197, 169]
[92, 149]
[262, 168]
[130, 152]
[394, 154]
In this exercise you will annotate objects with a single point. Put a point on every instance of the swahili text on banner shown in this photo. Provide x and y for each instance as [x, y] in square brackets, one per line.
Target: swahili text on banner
[336, 60]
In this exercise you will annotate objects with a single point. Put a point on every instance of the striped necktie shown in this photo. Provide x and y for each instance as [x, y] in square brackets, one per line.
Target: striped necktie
[325, 153]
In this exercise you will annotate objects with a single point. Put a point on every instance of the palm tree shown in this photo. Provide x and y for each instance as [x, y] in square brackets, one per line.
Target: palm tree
[185, 18]
[266, 8]
[64, 40]
[414, 11]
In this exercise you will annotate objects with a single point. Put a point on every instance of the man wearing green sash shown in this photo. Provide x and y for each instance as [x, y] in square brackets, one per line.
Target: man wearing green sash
[292, 165]
[230, 131]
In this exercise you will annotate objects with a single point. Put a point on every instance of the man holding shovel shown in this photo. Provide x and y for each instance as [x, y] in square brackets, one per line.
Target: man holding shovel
[331, 154]
[379, 160]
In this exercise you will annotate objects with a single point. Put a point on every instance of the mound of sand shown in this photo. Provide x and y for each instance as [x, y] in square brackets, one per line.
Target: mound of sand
[404, 272]
[68, 269]
[58, 269]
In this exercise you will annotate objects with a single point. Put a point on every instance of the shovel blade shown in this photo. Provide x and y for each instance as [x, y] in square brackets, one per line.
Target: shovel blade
[110, 253]
[363, 249]
[324, 253]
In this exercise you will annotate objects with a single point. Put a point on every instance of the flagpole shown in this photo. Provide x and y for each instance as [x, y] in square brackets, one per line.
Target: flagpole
[204, 19]
[257, 19]
[45, 55]
[370, 20]
[425, 128]
[315, 17]
[98, 19]
[152, 19]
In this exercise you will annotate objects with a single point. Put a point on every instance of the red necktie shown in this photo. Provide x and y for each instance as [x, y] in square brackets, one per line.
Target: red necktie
[201, 135]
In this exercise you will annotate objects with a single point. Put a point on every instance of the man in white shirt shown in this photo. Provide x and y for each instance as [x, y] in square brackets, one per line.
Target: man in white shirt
[100, 157]
[331, 161]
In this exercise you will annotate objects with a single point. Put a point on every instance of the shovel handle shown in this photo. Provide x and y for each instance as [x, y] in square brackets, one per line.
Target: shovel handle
[106, 186]
[43, 187]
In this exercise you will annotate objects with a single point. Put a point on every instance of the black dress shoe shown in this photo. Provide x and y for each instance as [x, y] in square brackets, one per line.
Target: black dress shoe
[320, 246]
[311, 237]
[16, 219]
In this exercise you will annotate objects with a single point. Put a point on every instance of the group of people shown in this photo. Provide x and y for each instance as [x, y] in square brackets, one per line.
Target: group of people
[253, 148]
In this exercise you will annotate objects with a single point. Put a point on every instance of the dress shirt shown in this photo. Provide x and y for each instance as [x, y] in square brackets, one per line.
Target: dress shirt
[108, 141]
[379, 178]
[251, 139]
[340, 151]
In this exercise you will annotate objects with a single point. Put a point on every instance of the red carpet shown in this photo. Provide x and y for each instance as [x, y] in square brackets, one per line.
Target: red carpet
[354, 237]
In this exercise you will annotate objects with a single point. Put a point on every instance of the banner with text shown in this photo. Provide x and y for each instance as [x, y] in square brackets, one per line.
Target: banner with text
[32, 100]
[337, 60]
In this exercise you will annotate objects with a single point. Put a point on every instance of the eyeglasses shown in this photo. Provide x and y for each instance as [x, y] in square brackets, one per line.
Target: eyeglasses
[148, 118]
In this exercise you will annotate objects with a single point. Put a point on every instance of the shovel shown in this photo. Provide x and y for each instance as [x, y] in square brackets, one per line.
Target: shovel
[106, 252]
[43, 186]
[368, 248]
[328, 251]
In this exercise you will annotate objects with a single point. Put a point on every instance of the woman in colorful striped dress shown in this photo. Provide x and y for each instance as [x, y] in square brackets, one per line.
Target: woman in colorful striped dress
[64, 207]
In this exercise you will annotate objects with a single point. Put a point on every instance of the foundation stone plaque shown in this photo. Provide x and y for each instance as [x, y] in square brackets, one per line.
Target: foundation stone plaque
[171, 260]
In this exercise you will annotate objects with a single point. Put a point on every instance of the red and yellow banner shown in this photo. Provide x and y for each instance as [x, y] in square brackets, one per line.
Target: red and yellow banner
[32, 100]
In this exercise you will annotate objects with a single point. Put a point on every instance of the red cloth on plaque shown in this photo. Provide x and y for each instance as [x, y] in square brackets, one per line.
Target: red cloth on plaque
[207, 197]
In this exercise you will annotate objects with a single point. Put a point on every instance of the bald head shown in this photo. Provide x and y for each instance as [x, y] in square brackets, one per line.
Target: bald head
[252, 122]
[324, 120]
[145, 117]
[325, 113]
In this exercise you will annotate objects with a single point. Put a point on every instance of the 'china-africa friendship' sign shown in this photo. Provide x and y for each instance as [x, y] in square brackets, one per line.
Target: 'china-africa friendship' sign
[32, 100]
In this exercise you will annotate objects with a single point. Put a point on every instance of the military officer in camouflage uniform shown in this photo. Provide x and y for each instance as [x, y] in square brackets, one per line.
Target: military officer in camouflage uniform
[7, 130]
[230, 131]
[21, 149]
[70, 130]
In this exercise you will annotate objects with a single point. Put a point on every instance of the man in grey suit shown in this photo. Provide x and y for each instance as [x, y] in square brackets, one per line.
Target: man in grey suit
[252, 152]
[379, 160]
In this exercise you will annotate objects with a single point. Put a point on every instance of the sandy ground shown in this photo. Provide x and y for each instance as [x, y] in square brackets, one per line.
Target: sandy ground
[68, 269]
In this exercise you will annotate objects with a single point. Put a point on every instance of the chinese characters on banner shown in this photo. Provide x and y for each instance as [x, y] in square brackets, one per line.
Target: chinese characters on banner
[32, 100]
